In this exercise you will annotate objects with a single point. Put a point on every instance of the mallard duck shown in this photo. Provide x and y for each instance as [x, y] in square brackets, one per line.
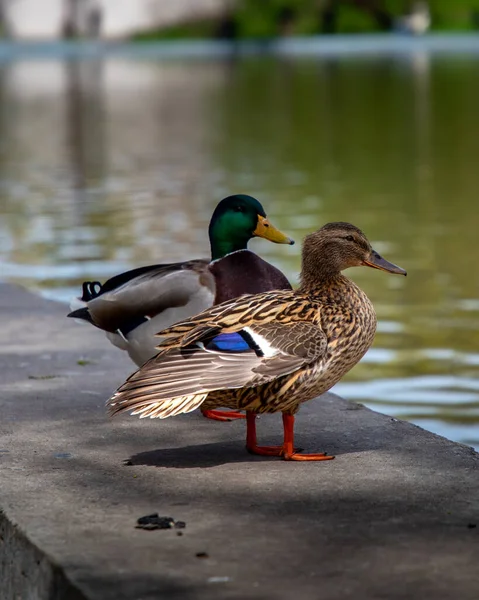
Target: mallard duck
[267, 352]
[133, 306]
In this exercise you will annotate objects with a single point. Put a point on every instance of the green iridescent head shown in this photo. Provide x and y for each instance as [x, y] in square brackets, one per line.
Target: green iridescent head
[235, 221]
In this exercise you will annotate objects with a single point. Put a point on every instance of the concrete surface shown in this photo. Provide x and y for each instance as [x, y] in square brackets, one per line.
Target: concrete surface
[391, 517]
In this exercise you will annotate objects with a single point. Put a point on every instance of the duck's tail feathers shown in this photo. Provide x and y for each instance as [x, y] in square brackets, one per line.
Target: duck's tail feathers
[90, 290]
[76, 303]
[168, 407]
[83, 314]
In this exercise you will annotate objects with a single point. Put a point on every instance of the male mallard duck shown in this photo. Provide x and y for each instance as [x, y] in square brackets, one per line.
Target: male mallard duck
[266, 352]
[133, 306]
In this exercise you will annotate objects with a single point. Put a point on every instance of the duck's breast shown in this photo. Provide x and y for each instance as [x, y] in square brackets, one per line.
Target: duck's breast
[244, 272]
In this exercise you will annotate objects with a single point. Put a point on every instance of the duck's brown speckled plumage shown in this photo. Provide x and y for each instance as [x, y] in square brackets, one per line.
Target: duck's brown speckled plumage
[300, 342]
[349, 334]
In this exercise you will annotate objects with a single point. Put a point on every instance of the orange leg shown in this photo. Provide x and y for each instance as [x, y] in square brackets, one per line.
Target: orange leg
[222, 415]
[252, 443]
[287, 450]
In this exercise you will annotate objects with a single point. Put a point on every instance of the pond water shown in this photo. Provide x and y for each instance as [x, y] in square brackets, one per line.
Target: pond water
[110, 164]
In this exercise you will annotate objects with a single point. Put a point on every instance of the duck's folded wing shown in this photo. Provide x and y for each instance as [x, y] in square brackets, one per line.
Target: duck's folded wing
[233, 315]
[148, 292]
[179, 380]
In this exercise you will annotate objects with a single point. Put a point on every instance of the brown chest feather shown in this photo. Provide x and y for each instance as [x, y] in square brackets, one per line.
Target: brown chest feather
[244, 272]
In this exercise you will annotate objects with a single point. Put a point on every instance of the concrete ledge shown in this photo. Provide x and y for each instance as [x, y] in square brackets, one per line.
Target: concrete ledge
[392, 517]
[26, 572]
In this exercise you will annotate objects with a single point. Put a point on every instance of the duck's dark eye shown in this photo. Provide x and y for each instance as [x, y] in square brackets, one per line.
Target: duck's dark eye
[350, 238]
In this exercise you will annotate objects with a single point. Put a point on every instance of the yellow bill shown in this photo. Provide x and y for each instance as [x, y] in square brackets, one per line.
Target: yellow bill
[266, 230]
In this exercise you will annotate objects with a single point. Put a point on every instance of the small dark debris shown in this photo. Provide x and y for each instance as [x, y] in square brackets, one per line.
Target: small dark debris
[202, 555]
[354, 406]
[63, 455]
[42, 376]
[471, 525]
[153, 521]
[179, 533]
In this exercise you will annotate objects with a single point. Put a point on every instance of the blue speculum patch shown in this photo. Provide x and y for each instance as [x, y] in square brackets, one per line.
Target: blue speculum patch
[229, 342]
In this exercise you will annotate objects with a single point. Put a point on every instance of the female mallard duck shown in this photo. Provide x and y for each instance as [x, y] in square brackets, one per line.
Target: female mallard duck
[133, 306]
[266, 352]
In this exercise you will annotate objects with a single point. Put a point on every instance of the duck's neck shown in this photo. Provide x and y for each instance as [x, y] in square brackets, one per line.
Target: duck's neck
[318, 276]
[223, 245]
[318, 286]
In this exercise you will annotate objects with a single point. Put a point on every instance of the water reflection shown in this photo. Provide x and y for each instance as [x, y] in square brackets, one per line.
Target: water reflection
[105, 165]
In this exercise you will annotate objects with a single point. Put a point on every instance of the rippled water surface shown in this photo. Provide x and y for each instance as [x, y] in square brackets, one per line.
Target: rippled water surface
[105, 165]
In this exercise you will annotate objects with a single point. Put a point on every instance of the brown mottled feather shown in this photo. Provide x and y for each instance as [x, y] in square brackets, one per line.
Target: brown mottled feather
[233, 315]
[189, 371]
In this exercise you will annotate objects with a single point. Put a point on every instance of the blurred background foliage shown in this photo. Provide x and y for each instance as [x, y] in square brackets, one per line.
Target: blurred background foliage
[264, 19]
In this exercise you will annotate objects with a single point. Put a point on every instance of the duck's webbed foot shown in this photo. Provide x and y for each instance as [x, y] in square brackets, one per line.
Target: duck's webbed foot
[269, 450]
[295, 456]
[287, 451]
[290, 452]
[222, 415]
